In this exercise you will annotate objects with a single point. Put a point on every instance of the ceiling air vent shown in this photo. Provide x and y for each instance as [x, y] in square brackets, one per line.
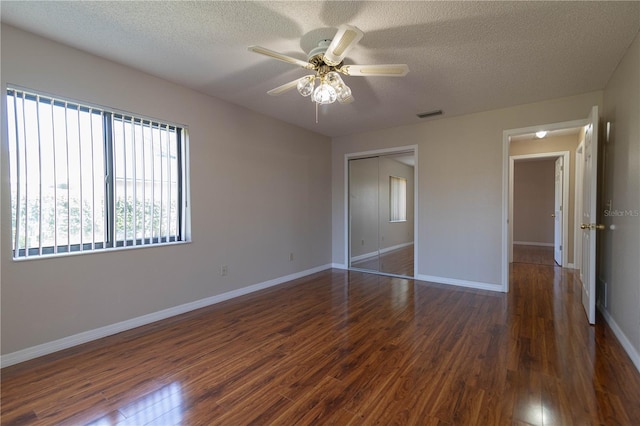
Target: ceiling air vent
[430, 113]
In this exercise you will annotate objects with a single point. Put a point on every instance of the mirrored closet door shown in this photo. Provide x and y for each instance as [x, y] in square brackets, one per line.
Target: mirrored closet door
[381, 221]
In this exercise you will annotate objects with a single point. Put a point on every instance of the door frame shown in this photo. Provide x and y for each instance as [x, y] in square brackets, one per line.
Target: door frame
[378, 152]
[506, 197]
[566, 158]
[577, 244]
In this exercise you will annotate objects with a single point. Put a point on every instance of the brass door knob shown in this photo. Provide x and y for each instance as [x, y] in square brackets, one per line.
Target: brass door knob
[553, 215]
[592, 226]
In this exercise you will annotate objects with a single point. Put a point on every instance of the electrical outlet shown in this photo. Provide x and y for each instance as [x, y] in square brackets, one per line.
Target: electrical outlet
[290, 257]
[224, 270]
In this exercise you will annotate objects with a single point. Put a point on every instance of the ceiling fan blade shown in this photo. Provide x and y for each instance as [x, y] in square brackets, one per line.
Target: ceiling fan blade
[387, 70]
[287, 86]
[280, 56]
[346, 37]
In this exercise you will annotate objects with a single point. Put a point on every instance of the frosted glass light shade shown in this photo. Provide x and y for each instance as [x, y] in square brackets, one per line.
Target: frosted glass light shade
[305, 85]
[333, 78]
[344, 94]
[325, 94]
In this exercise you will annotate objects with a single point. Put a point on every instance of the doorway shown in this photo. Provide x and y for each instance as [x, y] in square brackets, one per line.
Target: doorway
[587, 226]
[381, 188]
[524, 142]
[539, 190]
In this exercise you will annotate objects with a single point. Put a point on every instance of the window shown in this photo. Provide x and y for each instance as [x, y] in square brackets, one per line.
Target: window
[397, 199]
[84, 178]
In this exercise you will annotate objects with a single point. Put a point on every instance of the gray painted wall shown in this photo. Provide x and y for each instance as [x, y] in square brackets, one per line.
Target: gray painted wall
[533, 201]
[620, 248]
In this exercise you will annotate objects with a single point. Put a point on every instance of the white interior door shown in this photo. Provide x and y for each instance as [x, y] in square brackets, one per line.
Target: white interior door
[557, 212]
[589, 216]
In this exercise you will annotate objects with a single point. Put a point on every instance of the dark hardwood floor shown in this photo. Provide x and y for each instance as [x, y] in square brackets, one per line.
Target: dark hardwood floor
[533, 254]
[347, 348]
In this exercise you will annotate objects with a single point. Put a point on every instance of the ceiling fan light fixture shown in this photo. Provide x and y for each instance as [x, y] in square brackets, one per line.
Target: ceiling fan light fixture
[306, 85]
[324, 93]
[327, 60]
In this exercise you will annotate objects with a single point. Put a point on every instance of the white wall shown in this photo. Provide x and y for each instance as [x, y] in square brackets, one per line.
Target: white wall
[460, 185]
[620, 248]
[533, 201]
[260, 189]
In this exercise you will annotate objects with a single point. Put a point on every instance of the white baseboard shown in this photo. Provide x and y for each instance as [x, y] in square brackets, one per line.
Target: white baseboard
[622, 338]
[396, 247]
[381, 251]
[364, 256]
[532, 243]
[98, 333]
[339, 266]
[460, 283]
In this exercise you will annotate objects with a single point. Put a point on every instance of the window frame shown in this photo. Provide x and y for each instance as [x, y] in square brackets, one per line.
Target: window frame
[108, 241]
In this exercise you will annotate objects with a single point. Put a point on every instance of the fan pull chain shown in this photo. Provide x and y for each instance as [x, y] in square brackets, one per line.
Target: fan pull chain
[316, 112]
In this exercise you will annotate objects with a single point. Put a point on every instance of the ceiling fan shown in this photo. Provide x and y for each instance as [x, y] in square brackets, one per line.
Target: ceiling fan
[327, 60]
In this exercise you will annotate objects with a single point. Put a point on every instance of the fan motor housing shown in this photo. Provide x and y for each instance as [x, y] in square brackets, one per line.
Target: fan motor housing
[320, 49]
[316, 58]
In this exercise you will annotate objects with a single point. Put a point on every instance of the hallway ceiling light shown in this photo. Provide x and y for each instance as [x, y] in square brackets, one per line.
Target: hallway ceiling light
[541, 134]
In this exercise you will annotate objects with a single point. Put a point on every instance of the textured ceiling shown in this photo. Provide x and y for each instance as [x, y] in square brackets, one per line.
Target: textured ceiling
[463, 57]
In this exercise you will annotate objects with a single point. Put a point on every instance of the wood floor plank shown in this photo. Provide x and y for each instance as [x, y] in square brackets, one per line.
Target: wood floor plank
[541, 255]
[347, 348]
[321, 404]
